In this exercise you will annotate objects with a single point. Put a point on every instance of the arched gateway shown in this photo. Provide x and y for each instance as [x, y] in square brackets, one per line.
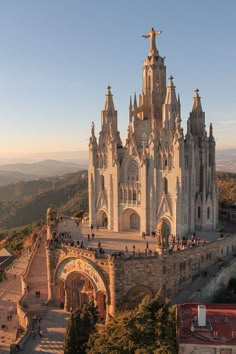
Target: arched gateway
[79, 282]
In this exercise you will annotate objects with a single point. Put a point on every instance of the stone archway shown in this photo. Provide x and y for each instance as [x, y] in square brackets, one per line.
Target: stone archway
[79, 282]
[130, 220]
[79, 290]
[102, 218]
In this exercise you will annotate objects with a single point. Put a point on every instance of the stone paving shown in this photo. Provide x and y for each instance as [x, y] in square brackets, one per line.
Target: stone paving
[112, 241]
[10, 293]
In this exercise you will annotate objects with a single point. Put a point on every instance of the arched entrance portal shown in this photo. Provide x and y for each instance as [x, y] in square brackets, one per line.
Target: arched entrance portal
[79, 290]
[102, 219]
[131, 220]
[79, 282]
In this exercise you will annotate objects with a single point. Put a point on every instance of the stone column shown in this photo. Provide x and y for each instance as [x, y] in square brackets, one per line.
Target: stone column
[66, 305]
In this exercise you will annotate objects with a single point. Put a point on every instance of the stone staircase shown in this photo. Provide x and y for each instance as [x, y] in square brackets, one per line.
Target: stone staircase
[53, 320]
[53, 326]
[37, 277]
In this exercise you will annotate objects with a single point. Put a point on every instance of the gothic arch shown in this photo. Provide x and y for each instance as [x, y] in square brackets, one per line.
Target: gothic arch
[102, 218]
[79, 270]
[130, 220]
[167, 220]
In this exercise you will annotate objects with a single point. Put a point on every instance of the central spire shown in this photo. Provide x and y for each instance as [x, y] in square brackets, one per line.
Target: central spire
[152, 35]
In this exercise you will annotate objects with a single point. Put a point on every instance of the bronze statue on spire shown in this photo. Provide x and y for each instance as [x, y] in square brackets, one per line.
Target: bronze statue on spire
[152, 34]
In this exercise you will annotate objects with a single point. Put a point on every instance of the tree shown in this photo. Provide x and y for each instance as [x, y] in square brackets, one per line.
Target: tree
[71, 337]
[79, 328]
[150, 328]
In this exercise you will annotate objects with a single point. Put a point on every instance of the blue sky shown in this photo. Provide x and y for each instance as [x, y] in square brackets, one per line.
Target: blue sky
[57, 58]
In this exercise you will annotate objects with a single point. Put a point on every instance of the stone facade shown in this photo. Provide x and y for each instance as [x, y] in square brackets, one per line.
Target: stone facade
[159, 172]
[114, 283]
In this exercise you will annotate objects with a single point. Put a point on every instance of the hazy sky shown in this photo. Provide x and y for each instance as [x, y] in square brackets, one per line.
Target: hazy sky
[57, 58]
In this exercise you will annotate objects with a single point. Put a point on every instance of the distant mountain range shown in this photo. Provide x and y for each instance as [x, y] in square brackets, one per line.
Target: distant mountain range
[59, 163]
[13, 173]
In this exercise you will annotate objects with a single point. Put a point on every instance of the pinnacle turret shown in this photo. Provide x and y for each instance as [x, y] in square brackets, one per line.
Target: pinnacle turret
[197, 117]
[130, 103]
[170, 92]
[109, 104]
[211, 130]
[135, 101]
[197, 107]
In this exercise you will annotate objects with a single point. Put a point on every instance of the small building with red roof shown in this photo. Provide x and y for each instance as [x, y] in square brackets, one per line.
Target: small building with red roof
[206, 329]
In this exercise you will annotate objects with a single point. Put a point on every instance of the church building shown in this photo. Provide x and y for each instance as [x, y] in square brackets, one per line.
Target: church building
[160, 174]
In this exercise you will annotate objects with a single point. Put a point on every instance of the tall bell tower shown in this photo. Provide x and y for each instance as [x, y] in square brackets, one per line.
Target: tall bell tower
[153, 82]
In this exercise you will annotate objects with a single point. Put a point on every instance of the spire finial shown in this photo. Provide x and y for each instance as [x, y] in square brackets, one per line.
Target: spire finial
[152, 35]
[171, 78]
[197, 101]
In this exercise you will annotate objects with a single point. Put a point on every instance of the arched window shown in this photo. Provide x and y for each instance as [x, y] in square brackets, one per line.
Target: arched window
[165, 185]
[165, 162]
[199, 212]
[169, 161]
[134, 195]
[208, 213]
[102, 182]
[133, 172]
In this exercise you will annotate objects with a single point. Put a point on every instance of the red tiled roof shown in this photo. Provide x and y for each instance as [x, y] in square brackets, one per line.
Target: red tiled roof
[221, 320]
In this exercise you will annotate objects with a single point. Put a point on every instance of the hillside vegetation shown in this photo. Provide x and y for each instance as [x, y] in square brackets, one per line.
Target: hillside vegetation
[26, 202]
[227, 187]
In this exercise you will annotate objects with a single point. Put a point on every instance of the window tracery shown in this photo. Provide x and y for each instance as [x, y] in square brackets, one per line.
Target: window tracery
[133, 172]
